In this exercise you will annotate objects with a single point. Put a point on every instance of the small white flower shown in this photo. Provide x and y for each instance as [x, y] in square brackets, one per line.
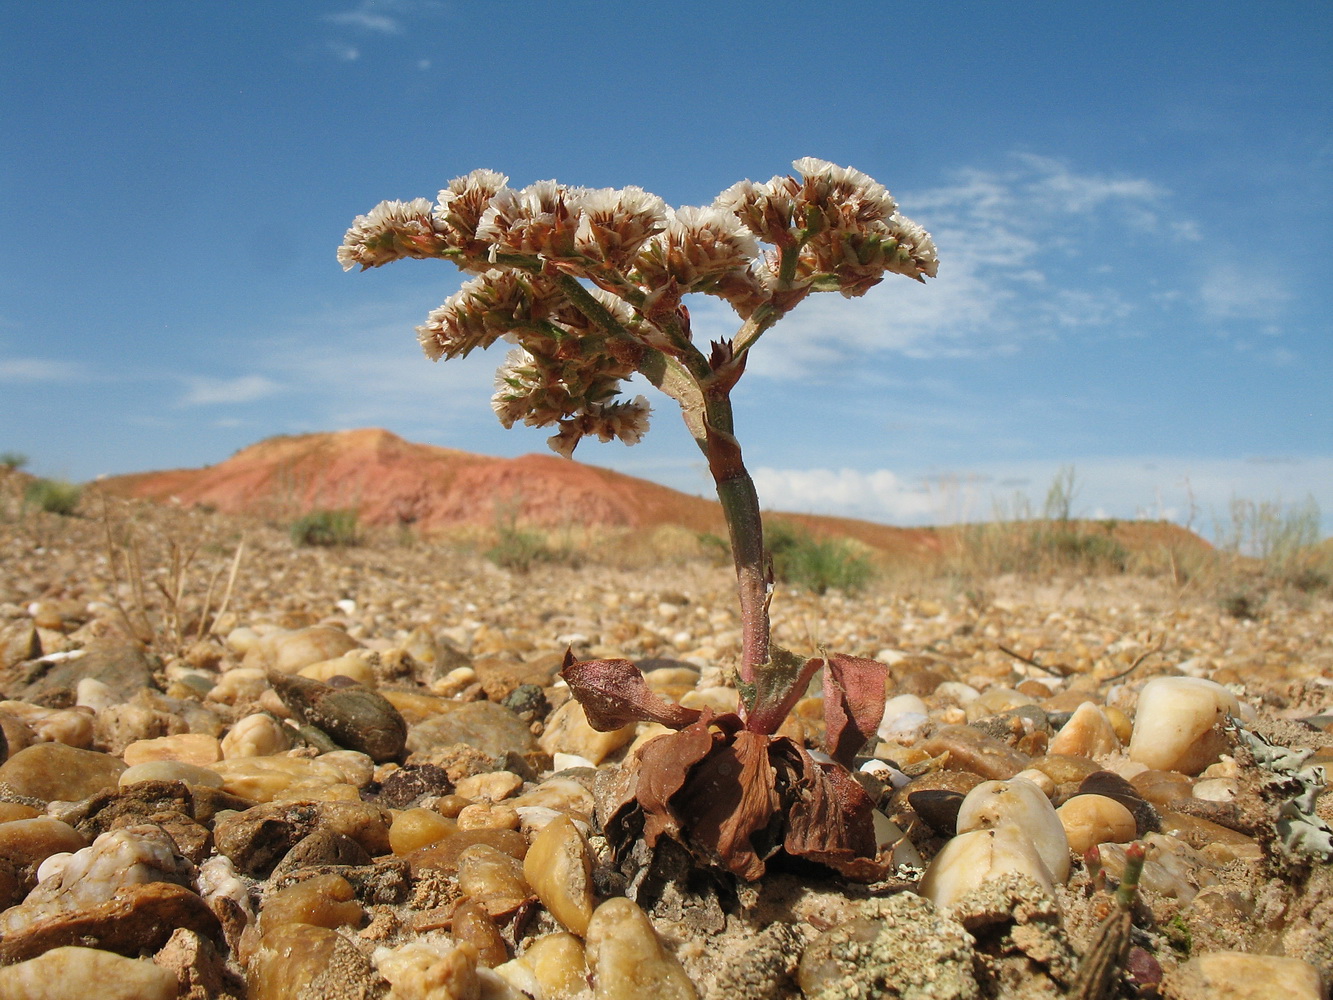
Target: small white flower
[390, 231]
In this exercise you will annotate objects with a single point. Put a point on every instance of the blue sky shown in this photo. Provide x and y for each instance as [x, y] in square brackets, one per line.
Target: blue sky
[1131, 204]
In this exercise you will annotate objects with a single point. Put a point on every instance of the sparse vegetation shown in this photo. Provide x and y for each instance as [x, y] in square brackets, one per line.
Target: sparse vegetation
[325, 527]
[817, 564]
[55, 496]
[11, 460]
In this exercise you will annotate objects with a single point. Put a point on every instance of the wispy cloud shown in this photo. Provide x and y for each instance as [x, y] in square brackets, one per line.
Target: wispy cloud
[1229, 291]
[340, 50]
[41, 370]
[202, 391]
[367, 16]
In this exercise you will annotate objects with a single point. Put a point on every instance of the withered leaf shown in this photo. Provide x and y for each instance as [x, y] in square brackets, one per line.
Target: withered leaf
[829, 817]
[730, 801]
[853, 704]
[661, 768]
[613, 694]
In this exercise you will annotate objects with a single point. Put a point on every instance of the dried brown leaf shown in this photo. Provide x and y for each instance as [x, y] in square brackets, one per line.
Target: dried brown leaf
[731, 800]
[662, 767]
[614, 694]
[853, 704]
[829, 816]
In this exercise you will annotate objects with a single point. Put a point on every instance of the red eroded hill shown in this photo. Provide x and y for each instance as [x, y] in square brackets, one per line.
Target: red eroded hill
[391, 481]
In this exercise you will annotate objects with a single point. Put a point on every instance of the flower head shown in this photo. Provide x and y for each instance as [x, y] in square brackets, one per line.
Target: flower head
[627, 420]
[390, 231]
[615, 222]
[539, 220]
[698, 247]
[492, 305]
[459, 210]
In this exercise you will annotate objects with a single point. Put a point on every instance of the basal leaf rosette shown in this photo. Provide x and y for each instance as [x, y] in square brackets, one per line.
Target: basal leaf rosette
[728, 788]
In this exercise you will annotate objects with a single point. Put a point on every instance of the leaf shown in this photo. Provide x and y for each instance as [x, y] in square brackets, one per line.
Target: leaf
[662, 768]
[778, 685]
[853, 705]
[730, 800]
[830, 818]
[614, 694]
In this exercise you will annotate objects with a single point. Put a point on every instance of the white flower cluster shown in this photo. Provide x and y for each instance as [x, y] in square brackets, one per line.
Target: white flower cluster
[833, 229]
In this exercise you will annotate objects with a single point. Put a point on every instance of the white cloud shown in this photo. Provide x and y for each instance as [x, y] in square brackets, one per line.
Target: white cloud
[347, 53]
[366, 17]
[40, 370]
[203, 391]
[1228, 291]
[1194, 491]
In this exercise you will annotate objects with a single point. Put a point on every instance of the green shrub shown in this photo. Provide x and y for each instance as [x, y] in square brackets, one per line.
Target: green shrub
[325, 527]
[13, 459]
[55, 496]
[816, 564]
[519, 550]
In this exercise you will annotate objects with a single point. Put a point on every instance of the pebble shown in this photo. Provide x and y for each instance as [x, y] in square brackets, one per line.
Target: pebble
[256, 839]
[53, 771]
[26, 843]
[288, 651]
[324, 900]
[1024, 806]
[629, 960]
[558, 867]
[1090, 820]
[75, 973]
[970, 859]
[415, 828]
[557, 963]
[257, 735]
[301, 960]
[568, 731]
[279, 777]
[1176, 725]
[201, 749]
[493, 879]
[971, 750]
[355, 717]
[493, 786]
[1088, 733]
[1242, 976]
[355, 666]
[482, 725]
[474, 926]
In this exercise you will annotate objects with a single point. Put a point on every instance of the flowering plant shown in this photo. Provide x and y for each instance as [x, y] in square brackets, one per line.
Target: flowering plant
[589, 286]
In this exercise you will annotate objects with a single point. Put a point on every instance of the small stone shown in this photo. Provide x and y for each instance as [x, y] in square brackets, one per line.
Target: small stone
[355, 666]
[557, 962]
[26, 843]
[75, 973]
[195, 962]
[324, 901]
[301, 960]
[427, 970]
[474, 926]
[277, 778]
[971, 750]
[1021, 804]
[488, 816]
[493, 879]
[1090, 820]
[240, 686]
[200, 749]
[444, 855]
[904, 947]
[969, 859]
[320, 849]
[562, 794]
[1088, 733]
[558, 867]
[354, 717]
[568, 731]
[1161, 788]
[491, 787]
[287, 652]
[18, 642]
[1176, 724]
[122, 666]
[628, 959]
[1242, 976]
[255, 840]
[53, 771]
[258, 735]
[416, 828]
[482, 725]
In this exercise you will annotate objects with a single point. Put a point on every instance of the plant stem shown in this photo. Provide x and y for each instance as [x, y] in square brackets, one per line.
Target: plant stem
[740, 507]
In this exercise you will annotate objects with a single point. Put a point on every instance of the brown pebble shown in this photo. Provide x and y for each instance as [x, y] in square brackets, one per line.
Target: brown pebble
[51, 771]
[971, 750]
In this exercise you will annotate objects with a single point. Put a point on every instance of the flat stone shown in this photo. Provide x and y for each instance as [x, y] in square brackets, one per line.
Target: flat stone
[76, 973]
[255, 840]
[974, 751]
[53, 771]
[122, 666]
[1241, 976]
[482, 725]
[138, 918]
